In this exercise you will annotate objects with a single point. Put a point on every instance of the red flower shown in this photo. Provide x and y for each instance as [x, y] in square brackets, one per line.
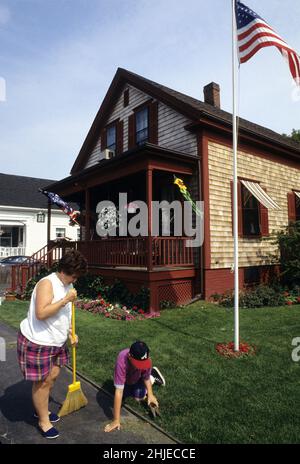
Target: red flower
[289, 303]
[134, 308]
[106, 314]
[140, 311]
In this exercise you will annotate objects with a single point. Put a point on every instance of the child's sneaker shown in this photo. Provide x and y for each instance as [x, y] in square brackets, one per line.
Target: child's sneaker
[158, 377]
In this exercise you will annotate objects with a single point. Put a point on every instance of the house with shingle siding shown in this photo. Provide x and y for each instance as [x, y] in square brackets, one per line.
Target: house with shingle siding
[142, 135]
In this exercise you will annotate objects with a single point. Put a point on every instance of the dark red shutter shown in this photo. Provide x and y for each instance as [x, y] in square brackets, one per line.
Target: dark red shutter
[119, 137]
[131, 131]
[103, 139]
[264, 220]
[153, 123]
[240, 208]
[291, 206]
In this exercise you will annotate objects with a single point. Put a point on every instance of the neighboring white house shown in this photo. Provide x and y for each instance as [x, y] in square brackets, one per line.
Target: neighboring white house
[23, 216]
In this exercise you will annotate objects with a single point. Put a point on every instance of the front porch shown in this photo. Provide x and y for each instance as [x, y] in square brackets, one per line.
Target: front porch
[164, 264]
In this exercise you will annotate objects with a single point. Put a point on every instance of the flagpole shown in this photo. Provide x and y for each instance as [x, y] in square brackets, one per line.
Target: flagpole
[235, 190]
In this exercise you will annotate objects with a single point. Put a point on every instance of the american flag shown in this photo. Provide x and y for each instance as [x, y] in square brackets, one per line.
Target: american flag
[56, 200]
[253, 33]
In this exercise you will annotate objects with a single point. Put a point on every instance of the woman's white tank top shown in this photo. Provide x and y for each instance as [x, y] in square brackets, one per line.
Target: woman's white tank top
[54, 330]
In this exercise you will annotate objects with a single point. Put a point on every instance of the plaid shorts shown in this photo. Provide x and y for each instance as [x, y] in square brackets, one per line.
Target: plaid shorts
[137, 390]
[36, 361]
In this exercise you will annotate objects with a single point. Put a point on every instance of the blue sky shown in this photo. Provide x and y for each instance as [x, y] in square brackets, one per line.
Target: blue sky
[58, 58]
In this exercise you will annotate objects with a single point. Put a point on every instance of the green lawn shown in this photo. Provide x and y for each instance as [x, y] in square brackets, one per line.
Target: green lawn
[208, 399]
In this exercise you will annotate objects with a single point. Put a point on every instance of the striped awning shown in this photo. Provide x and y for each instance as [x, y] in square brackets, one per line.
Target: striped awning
[298, 194]
[260, 194]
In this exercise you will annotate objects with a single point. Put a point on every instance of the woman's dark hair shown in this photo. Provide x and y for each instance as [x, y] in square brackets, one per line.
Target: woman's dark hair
[73, 262]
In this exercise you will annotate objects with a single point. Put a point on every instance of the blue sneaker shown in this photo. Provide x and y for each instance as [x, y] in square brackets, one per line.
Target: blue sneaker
[50, 434]
[52, 417]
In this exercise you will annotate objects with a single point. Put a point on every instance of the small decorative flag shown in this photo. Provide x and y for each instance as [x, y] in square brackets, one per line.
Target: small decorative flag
[56, 200]
[253, 33]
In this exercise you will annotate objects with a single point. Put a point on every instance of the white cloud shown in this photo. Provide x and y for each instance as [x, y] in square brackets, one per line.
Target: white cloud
[4, 15]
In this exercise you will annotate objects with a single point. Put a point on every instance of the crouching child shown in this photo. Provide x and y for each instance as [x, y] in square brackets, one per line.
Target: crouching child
[134, 376]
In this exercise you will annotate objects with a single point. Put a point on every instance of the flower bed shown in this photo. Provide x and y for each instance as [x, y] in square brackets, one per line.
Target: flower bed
[114, 311]
[227, 350]
[291, 298]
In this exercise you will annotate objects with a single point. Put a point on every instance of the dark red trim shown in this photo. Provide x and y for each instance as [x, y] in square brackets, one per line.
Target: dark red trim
[203, 149]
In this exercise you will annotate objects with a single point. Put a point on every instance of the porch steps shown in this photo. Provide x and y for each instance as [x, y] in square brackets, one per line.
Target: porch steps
[45, 257]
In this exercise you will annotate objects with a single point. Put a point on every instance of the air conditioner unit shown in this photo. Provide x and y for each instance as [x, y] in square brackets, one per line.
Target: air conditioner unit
[109, 154]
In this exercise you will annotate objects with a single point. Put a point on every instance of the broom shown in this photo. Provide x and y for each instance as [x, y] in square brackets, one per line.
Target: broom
[75, 398]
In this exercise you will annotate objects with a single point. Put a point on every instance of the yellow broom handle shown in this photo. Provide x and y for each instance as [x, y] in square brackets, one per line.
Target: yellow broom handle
[73, 348]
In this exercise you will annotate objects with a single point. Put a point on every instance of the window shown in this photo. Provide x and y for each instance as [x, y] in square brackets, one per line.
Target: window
[60, 232]
[252, 275]
[11, 236]
[297, 208]
[251, 213]
[111, 141]
[142, 126]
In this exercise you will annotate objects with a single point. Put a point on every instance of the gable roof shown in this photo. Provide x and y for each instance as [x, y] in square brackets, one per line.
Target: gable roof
[22, 191]
[189, 106]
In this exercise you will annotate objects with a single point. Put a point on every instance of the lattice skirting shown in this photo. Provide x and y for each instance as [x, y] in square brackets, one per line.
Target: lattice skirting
[179, 292]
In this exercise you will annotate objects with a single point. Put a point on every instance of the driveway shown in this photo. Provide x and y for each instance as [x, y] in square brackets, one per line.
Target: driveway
[17, 424]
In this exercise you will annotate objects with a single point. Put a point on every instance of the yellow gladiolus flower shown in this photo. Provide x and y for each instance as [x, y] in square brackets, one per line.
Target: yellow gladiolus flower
[180, 183]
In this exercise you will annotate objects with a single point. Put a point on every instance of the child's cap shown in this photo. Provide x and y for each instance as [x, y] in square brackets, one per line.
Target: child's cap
[139, 355]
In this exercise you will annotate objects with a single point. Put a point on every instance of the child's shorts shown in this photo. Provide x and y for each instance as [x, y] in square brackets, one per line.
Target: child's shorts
[137, 390]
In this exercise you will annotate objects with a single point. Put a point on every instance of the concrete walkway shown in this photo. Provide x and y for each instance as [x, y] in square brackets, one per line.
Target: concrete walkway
[17, 424]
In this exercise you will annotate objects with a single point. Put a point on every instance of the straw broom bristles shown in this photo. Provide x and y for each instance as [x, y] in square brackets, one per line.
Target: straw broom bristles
[75, 400]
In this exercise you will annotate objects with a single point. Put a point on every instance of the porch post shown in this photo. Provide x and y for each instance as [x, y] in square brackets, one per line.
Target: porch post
[87, 215]
[48, 233]
[149, 204]
[49, 222]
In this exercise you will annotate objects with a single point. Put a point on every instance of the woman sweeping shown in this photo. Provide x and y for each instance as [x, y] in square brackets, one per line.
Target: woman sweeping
[42, 340]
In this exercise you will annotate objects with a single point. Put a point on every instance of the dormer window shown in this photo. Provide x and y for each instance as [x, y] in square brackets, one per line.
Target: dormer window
[111, 138]
[142, 126]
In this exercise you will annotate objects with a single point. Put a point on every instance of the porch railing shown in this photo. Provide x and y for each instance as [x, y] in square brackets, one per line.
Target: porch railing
[117, 251]
[11, 251]
[129, 251]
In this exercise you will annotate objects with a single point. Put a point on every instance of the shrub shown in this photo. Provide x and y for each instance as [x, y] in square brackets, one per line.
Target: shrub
[288, 241]
[260, 296]
[91, 286]
[166, 304]
[43, 272]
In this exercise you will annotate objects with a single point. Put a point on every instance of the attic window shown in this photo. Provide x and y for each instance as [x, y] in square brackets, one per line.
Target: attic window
[126, 98]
